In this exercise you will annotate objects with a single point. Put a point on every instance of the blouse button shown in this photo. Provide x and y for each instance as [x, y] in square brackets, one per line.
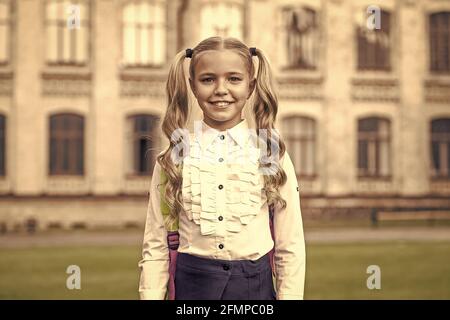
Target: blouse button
[220, 218]
[220, 246]
[222, 137]
[220, 159]
[220, 186]
[226, 267]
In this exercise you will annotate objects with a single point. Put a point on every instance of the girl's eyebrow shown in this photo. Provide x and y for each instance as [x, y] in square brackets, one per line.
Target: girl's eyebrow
[212, 74]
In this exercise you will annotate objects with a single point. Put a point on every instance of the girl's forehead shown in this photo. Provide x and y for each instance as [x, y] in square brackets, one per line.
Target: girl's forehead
[223, 61]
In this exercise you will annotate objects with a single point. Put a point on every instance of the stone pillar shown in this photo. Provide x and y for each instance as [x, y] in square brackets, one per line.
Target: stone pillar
[337, 120]
[107, 118]
[413, 49]
[27, 123]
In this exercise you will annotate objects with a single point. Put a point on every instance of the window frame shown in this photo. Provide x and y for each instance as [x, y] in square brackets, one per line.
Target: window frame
[164, 28]
[433, 55]
[58, 136]
[374, 139]
[443, 140]
[304, 138]
[381, 60]
[135, 137]
[61, 23]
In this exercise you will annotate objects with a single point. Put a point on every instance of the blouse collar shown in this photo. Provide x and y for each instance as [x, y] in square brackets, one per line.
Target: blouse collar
[239, 133]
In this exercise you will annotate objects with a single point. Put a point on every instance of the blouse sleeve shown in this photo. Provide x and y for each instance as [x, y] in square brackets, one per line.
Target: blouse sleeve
[155, 253]
[290, 255]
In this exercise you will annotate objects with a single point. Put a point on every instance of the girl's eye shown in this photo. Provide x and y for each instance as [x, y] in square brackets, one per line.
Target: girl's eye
[235, 79]
[206, 79]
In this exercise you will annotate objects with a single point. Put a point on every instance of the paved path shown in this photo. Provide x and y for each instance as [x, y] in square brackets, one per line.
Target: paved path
[337, 235]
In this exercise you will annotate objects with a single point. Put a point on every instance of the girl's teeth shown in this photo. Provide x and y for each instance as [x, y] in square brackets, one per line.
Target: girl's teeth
[221, 104]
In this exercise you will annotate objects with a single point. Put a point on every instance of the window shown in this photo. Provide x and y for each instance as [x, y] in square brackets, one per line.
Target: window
[299, 137]
[440, 148]
[66, 144]
[374, 45]
[67, 32]
[5, 31]
[144, 33]
[374, 147]
[223, 19]
[440, 42]
[142, 143]
[2, 145]
[300, 34]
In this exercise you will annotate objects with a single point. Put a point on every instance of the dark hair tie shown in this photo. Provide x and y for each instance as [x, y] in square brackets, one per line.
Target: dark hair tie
[189, 53]
[253, 51]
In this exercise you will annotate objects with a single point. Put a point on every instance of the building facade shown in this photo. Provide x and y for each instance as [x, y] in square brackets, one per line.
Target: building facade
[363, 88]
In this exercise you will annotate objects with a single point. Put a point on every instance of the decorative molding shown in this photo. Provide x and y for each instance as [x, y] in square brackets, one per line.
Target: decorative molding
[437, 91]
[371, 186]
[309, 186]
[440, 187]
[67, 185]
[137, 85]
[73, 84]
[300, 88]
[136, 185]
[375, 90]
[6, 84]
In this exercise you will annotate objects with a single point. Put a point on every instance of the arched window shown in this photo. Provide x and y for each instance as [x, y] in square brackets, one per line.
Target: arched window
[440, 148]
[66, 144]
[142, 143]
[222, 19]
[374, 154]
[2, 145]
[67, 32]
[374, 45]
[299, 135]
[144, 33]
[5, 31]
[300, 37]
[440, 42]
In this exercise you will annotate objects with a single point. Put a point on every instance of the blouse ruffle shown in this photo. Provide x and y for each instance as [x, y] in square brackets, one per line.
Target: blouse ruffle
[244, 194]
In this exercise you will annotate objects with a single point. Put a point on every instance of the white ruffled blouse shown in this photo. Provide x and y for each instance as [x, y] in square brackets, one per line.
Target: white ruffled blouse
[226, 213]
[213, 161]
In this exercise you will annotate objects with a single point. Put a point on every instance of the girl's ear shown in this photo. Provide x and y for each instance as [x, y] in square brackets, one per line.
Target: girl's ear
[251, 87]
[191, 84]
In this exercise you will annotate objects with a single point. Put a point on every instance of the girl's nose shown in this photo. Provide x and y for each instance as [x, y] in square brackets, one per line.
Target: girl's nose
[221, 88]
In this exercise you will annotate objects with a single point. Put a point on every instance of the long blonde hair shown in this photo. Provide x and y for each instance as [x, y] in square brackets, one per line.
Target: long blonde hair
[265, 107]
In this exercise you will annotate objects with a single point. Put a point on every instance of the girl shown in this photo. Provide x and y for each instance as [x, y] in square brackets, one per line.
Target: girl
[217, 190]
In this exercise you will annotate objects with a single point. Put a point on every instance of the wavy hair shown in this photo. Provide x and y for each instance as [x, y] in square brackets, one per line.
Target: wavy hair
[264, 109]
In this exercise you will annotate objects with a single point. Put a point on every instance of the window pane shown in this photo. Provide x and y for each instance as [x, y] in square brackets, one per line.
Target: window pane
[129, 45]
[384, 158]
[362, 155]
[144, 46]
[81, 45]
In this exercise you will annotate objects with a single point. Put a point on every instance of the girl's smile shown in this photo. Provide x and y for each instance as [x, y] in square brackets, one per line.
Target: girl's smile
[222, 86]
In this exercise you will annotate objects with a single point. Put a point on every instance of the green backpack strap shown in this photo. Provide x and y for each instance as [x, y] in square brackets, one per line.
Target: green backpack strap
[165, 209]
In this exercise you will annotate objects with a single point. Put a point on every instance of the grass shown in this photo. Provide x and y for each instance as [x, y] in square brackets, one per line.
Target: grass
[409, 270]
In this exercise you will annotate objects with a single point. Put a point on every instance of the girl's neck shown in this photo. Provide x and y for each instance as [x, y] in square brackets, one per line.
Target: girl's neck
[218, 125]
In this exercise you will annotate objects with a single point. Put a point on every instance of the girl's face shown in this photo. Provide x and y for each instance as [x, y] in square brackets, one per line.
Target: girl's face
[221, 86]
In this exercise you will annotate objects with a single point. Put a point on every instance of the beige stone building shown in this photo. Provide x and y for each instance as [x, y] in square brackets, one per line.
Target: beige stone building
[364, 101]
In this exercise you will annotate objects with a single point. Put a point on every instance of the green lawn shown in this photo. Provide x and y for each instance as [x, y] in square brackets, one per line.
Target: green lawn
[408, 271]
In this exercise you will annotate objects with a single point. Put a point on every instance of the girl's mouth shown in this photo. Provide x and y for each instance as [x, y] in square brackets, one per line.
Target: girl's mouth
[222, 104]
